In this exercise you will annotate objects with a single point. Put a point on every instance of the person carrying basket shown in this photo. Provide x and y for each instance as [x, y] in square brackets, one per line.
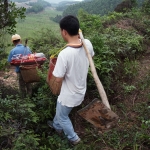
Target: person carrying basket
[25, 88]
[71, 69]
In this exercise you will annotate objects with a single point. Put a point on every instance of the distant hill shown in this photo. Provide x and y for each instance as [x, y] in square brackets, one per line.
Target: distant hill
[58, 1]
[65, 4]
[101, 7]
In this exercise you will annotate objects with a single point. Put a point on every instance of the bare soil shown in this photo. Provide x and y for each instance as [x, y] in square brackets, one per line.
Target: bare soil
[9, 77]
[8, 82]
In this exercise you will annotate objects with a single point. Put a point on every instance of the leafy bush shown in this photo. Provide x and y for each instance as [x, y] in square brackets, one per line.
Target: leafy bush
[37, 6]
[27, 141]
[125, 43]
[104, 60]
[113, 47]
[45, 41]
[146, 6]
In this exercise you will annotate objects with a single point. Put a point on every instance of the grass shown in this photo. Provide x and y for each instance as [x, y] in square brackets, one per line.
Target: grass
[33, 23]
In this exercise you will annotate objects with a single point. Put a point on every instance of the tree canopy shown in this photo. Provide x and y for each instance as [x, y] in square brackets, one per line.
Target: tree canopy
[38, 6]
[101, 7]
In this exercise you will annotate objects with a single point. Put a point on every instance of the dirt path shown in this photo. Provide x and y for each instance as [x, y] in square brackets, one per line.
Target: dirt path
[9, 78]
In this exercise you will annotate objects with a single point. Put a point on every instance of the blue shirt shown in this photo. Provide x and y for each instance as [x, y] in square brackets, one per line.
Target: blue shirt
[19, 49]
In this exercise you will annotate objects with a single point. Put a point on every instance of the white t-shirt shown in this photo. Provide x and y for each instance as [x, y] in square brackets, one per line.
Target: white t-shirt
[72, 64]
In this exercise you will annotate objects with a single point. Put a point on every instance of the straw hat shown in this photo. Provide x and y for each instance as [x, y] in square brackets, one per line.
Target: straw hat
[15, 37]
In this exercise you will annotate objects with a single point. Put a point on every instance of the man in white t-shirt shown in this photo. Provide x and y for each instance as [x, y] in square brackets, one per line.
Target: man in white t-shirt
[71, 68]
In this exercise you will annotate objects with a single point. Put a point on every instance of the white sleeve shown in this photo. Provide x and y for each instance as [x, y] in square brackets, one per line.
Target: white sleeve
[60, 67]
[89, 47]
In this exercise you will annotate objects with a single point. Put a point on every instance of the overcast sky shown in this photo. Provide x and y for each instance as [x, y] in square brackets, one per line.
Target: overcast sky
[57, 1]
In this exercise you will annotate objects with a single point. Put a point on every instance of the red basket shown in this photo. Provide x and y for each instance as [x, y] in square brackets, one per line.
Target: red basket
[55, 87]
[18, 62]
[51, 67]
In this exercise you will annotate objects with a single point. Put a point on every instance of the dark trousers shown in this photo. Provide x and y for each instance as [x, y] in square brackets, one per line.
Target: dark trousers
[25, 88]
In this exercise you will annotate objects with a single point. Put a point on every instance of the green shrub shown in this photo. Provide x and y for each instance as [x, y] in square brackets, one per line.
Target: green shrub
[27, 141]
[45, 41]
[146, 6]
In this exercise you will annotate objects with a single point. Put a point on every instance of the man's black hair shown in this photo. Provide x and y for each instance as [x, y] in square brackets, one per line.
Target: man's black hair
[70, 23]
[16, 41]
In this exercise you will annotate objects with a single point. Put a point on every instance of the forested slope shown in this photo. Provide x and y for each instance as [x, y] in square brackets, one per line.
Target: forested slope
[100, 7]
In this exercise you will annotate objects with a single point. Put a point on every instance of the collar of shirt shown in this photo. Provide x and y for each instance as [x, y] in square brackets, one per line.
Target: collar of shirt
[19, 44]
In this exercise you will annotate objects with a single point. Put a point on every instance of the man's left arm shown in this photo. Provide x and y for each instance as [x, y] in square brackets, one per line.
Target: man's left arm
[60, 68]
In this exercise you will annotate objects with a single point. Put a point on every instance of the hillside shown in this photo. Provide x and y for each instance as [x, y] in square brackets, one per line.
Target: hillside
[101, 7]
[122, 57]
[127, 107]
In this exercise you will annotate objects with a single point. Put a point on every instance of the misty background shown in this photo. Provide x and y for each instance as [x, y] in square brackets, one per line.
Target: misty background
[57, 1]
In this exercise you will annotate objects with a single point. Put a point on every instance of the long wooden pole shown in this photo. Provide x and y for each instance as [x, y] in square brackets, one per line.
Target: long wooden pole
[94, 73]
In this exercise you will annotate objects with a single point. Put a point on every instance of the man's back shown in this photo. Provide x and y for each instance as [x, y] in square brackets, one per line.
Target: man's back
[18, 49]
[72, 64]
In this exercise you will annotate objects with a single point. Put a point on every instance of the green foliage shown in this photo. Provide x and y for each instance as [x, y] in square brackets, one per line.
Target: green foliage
[104, 60]
[9, 14]
[8, 18]
[89, 23]
[56, 19]
[126, 6]
[18, 109]
[125, 43]
[89, 5]
[111, 18]
[16, 115]
[3, 63]
[45, 41]
[64, 4]
[27, 141]
[146, 6]
[128, 88]
[38, 6]
[56, 142]
[130, 68]
[34, 23]
[115, 48]
[23, 122]
[45, 103]
[101, 7]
